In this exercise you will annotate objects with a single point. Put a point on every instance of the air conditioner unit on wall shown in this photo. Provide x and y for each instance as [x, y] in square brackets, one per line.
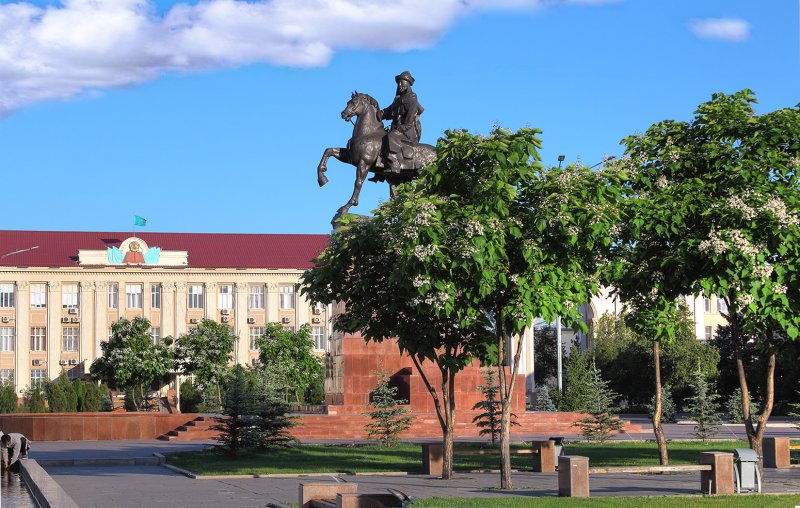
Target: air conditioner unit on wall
[225, 319]
[315, 320]
[194, 321]
[73, 362]
[285, 320]
[254, 361]
[317, 311]
[73, 311]
[251, 320]
[65, 320]
[76, 320]
[224, 312]
[61, 362]
[36, 362]
[6, 319]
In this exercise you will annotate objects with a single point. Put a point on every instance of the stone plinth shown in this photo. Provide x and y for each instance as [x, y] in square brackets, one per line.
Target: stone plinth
[720, 479]
[544, 456]
[776, 452]
[573, 476]
[432, 458]
[321, 491]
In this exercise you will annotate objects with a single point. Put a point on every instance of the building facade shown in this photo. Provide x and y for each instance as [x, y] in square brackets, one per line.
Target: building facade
[60, 292]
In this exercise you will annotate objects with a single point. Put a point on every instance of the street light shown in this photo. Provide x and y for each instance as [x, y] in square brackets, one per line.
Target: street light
[560, 160]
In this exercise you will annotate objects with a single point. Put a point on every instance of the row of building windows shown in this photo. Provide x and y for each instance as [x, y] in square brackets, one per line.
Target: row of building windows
[721, 305]
[134, 296]
[70, 337]
[38, 376]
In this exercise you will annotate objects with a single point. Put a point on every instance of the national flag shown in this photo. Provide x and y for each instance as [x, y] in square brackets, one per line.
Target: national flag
[139, 221]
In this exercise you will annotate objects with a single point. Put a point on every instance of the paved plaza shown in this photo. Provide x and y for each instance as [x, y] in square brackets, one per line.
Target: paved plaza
[111, 474]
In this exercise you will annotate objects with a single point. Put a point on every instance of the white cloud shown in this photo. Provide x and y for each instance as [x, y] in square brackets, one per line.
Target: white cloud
[81, 46]
[726, 29]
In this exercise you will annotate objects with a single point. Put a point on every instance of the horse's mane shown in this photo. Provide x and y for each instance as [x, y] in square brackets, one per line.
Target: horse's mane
[369, 99]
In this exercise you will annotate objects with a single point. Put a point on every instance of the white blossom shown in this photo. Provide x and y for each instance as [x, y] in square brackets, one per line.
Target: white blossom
[744, 300]
[777, 208]
[714, 244]
[795, 161]
[423, 252]
[779, 289]
[420, 281]
[762, 271]
[738, 204]
[740, 242]
[661, 182]
[473, 228]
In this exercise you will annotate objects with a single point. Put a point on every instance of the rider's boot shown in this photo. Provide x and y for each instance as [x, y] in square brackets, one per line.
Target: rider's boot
[392, 164]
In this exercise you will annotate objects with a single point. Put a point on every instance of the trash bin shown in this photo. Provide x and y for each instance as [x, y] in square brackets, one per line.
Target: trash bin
[558, 450]
[745, 470]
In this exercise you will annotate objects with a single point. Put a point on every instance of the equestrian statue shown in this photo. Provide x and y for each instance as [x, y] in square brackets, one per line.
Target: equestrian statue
[394, 155]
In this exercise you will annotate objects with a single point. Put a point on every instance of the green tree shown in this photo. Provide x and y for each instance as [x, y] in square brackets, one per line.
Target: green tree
[61, 395]
[544, 402]
[95, 396]
[716, 212]
[489, 420]
[35, 399]
[704, 407]
[191, 397]
[9, 403]
[389, 418]
[602, 420]
[131, 362]
[286, 356]
[578, 396]
[206, 352]
[239, 405]
[668, 409]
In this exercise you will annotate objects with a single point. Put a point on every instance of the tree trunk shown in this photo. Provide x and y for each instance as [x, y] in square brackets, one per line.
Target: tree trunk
[506, 394]
[737, 351]
[448, 395]
[756, 443]
[658, 430]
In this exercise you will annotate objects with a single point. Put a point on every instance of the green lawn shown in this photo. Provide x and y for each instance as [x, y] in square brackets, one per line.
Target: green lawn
[407, 457]
[743, 501]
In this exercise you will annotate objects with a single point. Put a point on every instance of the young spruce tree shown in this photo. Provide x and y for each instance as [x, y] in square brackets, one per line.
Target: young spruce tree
[489, 420]
[389, 417]
[704, 406]
[235, 434]
[602, 420]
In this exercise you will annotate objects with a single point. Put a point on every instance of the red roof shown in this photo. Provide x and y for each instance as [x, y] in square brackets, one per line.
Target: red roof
[206, 250]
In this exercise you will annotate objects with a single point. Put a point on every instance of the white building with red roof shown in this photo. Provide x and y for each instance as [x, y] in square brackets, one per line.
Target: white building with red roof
[61, 291]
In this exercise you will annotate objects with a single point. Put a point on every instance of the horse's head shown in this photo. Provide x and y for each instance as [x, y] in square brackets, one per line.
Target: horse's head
[359, 104]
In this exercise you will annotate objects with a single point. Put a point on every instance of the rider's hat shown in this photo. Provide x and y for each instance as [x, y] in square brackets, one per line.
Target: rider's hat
[406, 76]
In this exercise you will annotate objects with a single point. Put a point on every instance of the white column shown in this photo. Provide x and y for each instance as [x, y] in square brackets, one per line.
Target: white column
[53, 328]
[272, 302]
[211, 300]
[241, 350]
[181, 311]
[301, 309]
[146, 301]
[168, 310]
[100, 316]
[86, 351]
[22, 330]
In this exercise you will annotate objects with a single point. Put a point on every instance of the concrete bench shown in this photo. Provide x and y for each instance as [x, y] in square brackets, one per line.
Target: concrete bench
[716, 473]
[346, 495]
[777, 452]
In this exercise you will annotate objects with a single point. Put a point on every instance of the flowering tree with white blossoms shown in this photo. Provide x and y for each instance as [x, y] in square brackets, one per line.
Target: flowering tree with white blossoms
[206, 352]
[718, 212]
[467, 256]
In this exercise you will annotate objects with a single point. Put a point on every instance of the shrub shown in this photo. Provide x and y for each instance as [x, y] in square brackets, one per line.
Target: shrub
[191, 397]
[61, 395]
[389, 417]
[95, 397]
[8, 398]
[544, 402]
[735, 411]
[35, 399]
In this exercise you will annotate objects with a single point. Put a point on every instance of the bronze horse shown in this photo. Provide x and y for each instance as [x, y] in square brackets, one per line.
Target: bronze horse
[364, 150]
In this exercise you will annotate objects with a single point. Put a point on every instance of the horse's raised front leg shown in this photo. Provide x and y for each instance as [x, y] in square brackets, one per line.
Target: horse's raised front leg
[336, 153]
[361, 173]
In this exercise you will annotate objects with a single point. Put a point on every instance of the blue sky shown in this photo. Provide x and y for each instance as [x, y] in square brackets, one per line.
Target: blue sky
[212, 116]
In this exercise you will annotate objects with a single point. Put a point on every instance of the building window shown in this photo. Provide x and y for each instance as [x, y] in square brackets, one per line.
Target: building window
[38, 376]
[133, 296]
[287, 297]
[196, 296]
[6, 295]
[722, 307]
[155, 296]
[6, 376]
[69, 338]
[318, 335]
[707, 304]
[709, 333]
[38, 339]
[256, 298]
[226, 296]
[113, 296]
[38, 296]
[69, 296]
[6, 338]
[156, 334]
[255, 333]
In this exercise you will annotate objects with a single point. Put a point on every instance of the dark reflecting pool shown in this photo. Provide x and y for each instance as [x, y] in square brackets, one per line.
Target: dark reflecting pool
[14, 493]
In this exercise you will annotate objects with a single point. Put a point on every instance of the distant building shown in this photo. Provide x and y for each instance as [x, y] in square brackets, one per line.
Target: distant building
[61, 291]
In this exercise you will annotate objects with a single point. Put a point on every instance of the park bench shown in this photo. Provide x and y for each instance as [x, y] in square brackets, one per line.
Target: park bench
[346, 495]
[716, 477]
